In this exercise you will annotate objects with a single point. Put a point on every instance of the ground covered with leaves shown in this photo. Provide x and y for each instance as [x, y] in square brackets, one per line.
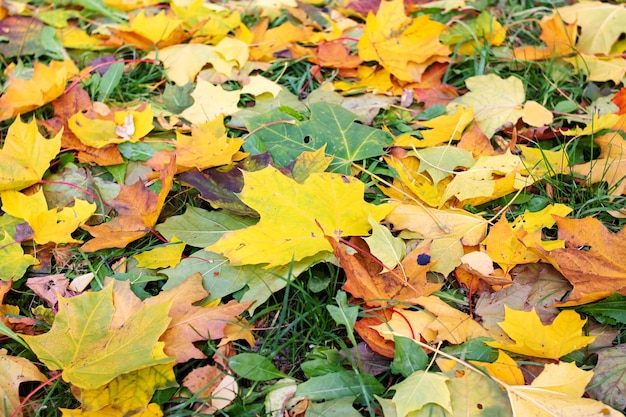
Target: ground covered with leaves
[312, 208]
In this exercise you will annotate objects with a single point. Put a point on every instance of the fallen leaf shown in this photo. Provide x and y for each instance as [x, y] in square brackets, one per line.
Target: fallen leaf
[609, 382]
[138, 211]
[550, 341]
[385, 247]
[22, 34]
[364, 280]
[504, 368]
[591, 259]
[557, 392]
[97, 130]
[49, 225]
[13, 261]
[90, 320]
[161, 257]
[128, 393]
[442, 129]
[192, 323]
[421, 388]
[25, 155]
[208, 146]
[329, 125]
[200, 228]
[313, 208]
[49, 288]
[451, 325]
[590, 16]
[496, 102]
[506, 248]
[144, 32]
[210, 101]
[404, 46]
[47, 83]
[599, 68]
[13, 371]
[473, 34]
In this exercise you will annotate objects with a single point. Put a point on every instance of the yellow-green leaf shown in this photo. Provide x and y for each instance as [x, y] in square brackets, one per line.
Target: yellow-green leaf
[295, 217]
[26, 155]
[13, 261]
[94, 340]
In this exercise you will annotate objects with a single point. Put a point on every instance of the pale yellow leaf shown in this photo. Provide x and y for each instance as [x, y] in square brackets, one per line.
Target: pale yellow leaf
[210, 101]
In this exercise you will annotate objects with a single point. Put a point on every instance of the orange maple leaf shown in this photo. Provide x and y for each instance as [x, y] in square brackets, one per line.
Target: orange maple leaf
[592, 260]
[364, 278]
[191, 323]
[46, 84]
[66, 106]
[138, 210]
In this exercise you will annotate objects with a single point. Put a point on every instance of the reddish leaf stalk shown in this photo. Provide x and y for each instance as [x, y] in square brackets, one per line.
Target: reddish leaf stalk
[406, 320]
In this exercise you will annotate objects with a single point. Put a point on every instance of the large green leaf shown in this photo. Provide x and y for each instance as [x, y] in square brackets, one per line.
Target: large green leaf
[330, 125]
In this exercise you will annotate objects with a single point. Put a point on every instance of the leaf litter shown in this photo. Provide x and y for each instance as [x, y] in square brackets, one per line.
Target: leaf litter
[171, 170]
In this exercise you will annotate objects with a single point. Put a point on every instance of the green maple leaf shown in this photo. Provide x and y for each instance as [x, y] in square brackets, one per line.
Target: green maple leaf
[94, 339]
[330, 125]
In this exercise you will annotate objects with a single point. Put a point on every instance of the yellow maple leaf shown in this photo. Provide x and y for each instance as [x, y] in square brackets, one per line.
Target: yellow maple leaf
[210, 101]
[505, 247]
[597, 123]
[147, 31]
[49, 225]
[296, 217]
[26, 155]
[533, 338]
[533, 221]
[161, 257]
[498, 101]
[489, 178]
[127, 5]
[408, 323]
[183, 62]
[557, 391]
[208, 146]
[404, 46]
[129, 394]
[504, 369]
[125, 126]
[443, 129]
[207, 19]
[46, 84]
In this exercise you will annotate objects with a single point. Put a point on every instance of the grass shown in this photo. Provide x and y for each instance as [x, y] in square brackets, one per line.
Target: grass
[295, 328]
